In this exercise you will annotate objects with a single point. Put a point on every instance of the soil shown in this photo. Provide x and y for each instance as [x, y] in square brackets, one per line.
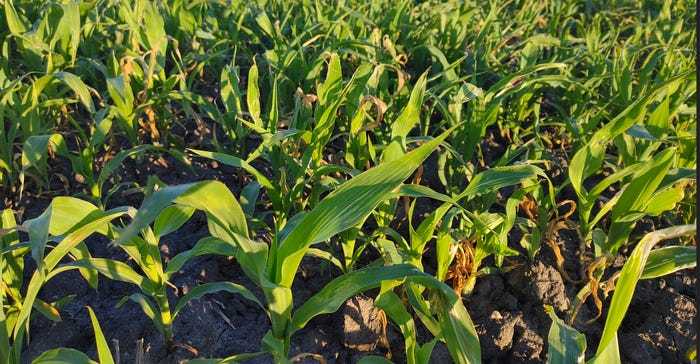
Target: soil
[507, 308]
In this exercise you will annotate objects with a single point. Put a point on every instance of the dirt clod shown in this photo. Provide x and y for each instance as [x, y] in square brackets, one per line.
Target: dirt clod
[362, 329]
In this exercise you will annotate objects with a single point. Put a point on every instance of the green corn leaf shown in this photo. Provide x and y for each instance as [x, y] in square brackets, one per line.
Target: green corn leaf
[38, 236]
[493, 179]
[205, 106]
[456, 324]
[405, 122]
[636, 110]
[122, 95]
[63, 356]
[412, 190]
[373, 359]
[249, 194]
[207, 288]
[265, 24]
[112, 269]
[444, 243]
[273, 108]
[335, 293]
[12, 264]
[615, 177]
[664, 201]
[677, 175]
[68, 213]
[631, 272]
[589, 159]
[566, 345]
[94, 222]
[329, 91]
[636, 196]
[34, 152]
[79, 87]
[115, 162]
[154, 30]
[230, 91]
[67, 244]
[233, 161]
[669, 259]
[224, 214]
[206, 245]
[171, 219]
[14, 22]
[102, 348]
[228, 360]
[391, 304]
[253, 96]
[71, 20]
[345, 207]
[81, 252]
[330, 96]
[608, 354]
[457, 327]
[150, 309]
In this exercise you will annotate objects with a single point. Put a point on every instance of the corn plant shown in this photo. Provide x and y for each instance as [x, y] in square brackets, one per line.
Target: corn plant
[56, 234]
[569, 346]
[154, 281]
[296, 153]
[589, 159]
[274, 267]
[27, 117]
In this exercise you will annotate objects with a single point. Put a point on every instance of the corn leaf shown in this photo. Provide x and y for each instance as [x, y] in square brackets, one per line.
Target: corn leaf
[63, 356]
[67, 244]
[206, 245]
[403, 124]
[373, 359]
[38, 236]
[68, 212]
[230, 91]
[234, 161]
[566, 345]
[79, 87]
[102, 348]
[171, 219]
[458, 329]
[636, 197]
[631, 272]
[112, 269]
[122, 95]
[493, 179]
[253, 96]
[391, 304]
[150, 309]
[224, 214]
[14, 22]
[12, 264]
[208, 288]
[669, 259]
[608, 354]
[345, 207]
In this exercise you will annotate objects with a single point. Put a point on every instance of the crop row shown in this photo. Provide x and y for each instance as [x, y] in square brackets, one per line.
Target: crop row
[331, 110]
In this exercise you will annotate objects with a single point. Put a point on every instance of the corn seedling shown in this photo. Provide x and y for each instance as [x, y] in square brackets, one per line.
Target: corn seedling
[274, 267]
[569, 346]
[57, 233]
